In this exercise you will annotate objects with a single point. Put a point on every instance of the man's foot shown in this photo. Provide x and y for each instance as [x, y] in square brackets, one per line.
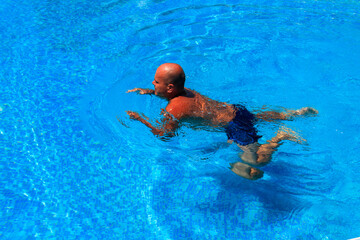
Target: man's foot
[305, 111]
[246, 171]
[288, 134]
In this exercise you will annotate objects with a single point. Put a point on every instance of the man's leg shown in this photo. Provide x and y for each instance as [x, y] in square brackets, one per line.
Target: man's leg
[287, 115]
[246, 171]
[257, 154]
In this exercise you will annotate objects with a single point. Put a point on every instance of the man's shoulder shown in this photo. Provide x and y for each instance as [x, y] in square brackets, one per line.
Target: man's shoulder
[178, 107]
[182, 102]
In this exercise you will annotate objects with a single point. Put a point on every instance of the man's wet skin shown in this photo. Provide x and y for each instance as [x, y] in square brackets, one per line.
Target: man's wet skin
[186, 104]
[214, 113]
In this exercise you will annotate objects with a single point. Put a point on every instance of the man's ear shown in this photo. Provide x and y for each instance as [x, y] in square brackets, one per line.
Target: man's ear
[170, 88]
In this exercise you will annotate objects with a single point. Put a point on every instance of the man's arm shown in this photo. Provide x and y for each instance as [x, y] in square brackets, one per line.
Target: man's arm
[141, 91]
[168, 125]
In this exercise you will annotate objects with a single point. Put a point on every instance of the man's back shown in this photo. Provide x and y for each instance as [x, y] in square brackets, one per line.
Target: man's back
[193, 105]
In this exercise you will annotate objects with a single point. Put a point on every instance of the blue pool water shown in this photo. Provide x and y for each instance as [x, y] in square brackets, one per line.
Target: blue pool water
[70, 170]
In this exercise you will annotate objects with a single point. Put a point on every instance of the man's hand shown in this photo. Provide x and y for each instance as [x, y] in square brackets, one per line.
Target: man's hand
[133, 115]
[141, 91]
[167, 126]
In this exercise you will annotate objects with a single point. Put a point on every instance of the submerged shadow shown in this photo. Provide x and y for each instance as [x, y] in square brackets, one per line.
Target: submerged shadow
[277, 198]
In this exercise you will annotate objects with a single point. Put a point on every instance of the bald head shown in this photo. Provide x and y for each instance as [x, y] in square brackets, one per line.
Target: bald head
[173, 73]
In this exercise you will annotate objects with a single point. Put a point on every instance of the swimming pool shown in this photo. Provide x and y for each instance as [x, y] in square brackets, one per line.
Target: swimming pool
[70, 170]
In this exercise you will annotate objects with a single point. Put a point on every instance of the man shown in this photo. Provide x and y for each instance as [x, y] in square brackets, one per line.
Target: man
[185, 104]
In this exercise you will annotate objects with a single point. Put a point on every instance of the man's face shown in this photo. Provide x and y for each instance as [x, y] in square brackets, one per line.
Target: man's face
[160, 84]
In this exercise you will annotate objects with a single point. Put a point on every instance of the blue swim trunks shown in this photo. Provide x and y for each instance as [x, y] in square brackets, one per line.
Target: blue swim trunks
[241, 129]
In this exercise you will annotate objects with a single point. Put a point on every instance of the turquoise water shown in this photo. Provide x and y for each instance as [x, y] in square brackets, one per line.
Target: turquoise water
[70, 170]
